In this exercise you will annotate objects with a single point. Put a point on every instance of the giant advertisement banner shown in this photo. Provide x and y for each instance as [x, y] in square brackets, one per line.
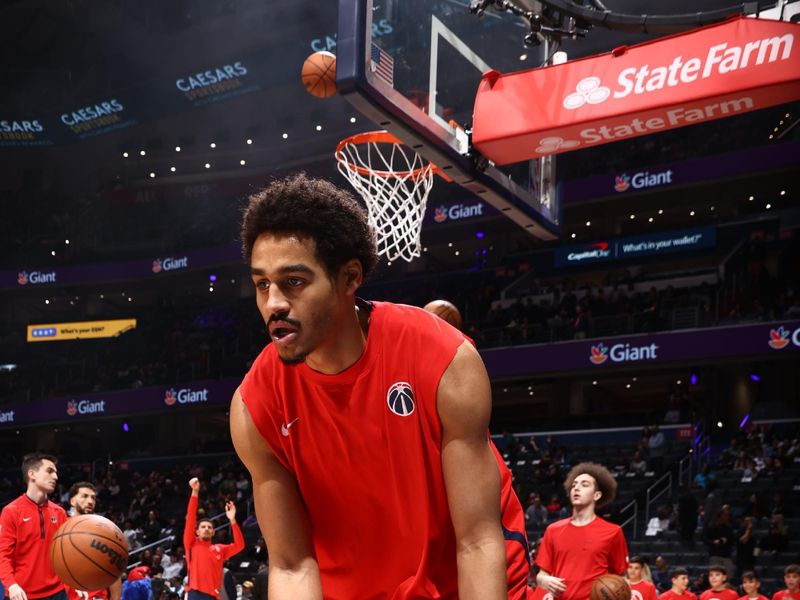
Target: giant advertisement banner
[651, 244]
[759, 340]
[737, 341]
[166, 399]
[133, 270]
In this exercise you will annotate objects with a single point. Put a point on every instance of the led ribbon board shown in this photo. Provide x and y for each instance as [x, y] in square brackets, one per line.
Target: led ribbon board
[82, 330]
[718, 71]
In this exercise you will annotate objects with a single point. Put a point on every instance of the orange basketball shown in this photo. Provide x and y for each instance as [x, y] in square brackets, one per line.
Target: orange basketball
[610, 587]
[445, 310]
[89, 552]
[319, 74]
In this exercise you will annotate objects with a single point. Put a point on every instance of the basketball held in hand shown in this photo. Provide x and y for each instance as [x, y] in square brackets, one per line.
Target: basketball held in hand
[89, 552]
[319, 74]
[610, 587]
[445, 310]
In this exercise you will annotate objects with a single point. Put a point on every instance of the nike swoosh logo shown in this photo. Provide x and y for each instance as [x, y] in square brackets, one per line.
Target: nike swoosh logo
[26, 519]
[285, 428]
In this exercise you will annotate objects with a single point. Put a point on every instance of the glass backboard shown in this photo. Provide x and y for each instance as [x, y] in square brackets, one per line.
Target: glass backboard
[413, 68]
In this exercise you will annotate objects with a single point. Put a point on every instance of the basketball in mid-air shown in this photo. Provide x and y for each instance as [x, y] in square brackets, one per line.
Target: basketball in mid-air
[610, 587]
[319, 74]
[445, 310]
[89, 552]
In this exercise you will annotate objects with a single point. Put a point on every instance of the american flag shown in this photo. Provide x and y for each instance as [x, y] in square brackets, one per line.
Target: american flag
[382, 64]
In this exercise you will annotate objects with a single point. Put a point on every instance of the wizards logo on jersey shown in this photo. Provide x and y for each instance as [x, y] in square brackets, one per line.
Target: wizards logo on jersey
[400, 399]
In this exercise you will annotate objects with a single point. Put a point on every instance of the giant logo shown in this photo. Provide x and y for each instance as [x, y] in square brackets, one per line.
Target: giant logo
[719, 60]
[169, 264]
[185, 396]
[457, 212]
[621, 353]
[85, 407]
[781, 337]
[642, 179]
[35, 277]
[7, 416]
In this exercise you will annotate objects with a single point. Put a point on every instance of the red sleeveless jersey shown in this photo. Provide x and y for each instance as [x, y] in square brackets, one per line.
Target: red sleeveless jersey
[365, 448]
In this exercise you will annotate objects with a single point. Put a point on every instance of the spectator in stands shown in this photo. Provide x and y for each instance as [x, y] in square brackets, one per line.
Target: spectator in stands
[745, 547]
[711, 505]
[536, 513]
[687, 517]
[131, 535]
[720, 540]
[173, 564]
[151, 528]
[634, 575]
[778, 507]
[638, 463]
[791, 577]
[751, 584]
[581, 323]
[655, 448]
[620, 465]
[511, 445]
[704, 476]
[754, 507]
[679, 590]
[718, 586]
[777, 538]
[554, 507]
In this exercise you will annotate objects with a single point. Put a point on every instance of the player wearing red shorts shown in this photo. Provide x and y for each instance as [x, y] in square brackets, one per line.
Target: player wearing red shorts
[577, 550]
[364, 425]
[791, 576]
[641, 589]
[717, 578]
[27, 525]
[680, 586]
[83, 501]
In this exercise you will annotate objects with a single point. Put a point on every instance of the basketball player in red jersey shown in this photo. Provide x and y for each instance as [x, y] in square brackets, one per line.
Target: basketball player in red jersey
[577, 550]
[83, 501]
[641, 589]
[27, 525]
[204, 560]
[363, 424]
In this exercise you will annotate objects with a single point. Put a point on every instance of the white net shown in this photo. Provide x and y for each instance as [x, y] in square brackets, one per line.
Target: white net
[394, 182]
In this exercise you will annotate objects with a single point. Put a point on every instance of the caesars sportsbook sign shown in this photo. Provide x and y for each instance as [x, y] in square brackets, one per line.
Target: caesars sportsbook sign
[718, 71]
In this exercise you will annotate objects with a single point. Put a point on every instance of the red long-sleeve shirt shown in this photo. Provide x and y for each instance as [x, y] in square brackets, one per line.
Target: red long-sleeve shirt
[205, 559]
[26, 529]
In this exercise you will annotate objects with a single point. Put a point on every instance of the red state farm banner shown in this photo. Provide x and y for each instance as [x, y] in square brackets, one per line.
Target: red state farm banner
[718, 71]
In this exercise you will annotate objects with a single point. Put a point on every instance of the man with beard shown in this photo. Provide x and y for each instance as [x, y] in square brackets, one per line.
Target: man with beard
[83, 501]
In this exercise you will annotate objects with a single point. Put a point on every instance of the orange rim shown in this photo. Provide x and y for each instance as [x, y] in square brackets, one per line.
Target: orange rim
[384, 137]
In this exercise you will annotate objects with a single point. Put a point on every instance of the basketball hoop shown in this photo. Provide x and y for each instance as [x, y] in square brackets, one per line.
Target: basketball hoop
[394, 182]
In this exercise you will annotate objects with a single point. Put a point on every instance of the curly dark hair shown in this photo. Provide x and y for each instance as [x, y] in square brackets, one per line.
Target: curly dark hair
[604, 481]
[315, 208]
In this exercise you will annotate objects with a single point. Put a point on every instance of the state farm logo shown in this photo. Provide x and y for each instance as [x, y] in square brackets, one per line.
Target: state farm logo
[599, 354]
[622, 182]
[714, 61]
[549, 145]
[588, 91]
[781, 337]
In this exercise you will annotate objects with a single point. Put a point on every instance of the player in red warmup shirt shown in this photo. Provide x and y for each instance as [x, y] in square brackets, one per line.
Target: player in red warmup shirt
[717, 579]
[364, 424]
[641, 589]
[27, 525]
[680, 586]
[750, 584]
[204, 560]
[791, 576]
[83, 500]
[577, 550]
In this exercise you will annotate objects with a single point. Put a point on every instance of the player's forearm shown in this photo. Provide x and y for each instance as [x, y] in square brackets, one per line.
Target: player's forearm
[482, 570]
[302, 583]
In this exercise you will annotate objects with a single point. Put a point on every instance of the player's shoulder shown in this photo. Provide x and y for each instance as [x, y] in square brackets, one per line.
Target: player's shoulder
[601, 523]
[56, 508]
[558, 525]
[15, 505]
